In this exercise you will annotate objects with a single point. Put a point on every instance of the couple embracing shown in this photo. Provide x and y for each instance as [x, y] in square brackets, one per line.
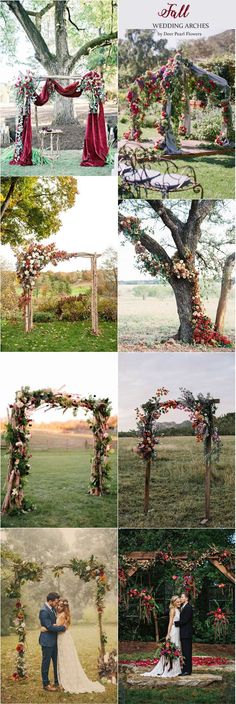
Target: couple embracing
[180, 634]
[58, 646]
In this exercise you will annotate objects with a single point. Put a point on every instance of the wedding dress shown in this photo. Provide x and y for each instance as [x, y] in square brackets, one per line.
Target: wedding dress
[71, 675]
[161, 669]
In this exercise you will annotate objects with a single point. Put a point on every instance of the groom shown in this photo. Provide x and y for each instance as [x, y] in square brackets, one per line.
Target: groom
[48, 640]
[185, 625]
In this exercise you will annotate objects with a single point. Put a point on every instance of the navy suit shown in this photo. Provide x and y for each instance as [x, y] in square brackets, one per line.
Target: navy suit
[48, 642]
[185, 624]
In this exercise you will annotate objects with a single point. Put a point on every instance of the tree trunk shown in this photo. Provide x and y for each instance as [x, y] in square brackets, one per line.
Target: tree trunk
[63, 109]
[7, 199]
[226, 285]
[183, 294]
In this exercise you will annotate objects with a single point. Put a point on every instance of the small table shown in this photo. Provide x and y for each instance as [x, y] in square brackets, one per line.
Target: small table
[53, 150]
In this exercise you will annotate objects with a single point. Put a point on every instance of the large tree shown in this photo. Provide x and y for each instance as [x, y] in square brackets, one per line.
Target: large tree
[63, 35]
[139, 51]
[191, 246]
[31, 206]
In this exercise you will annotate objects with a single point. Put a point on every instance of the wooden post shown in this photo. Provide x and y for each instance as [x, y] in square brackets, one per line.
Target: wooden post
[94, 297]
[208, 453]
[102, 644]
[156, 626]
[37, 124]
[147, 485]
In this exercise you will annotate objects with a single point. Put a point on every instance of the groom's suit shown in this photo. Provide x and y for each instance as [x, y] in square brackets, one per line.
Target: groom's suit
[185, 624]
[48, 642]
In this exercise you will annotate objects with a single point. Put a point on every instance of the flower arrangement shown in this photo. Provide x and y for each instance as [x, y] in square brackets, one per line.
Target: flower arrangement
[220, 622]
[93, 85]
[93, 570]
[169, 652]
[147, 603]
[30, 263]
[147, 417]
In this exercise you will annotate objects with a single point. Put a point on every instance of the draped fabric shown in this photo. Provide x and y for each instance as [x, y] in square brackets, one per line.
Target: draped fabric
[95, 149]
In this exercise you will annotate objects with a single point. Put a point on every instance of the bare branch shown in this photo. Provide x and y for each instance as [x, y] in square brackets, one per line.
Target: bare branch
[103, 40]
[42, 53]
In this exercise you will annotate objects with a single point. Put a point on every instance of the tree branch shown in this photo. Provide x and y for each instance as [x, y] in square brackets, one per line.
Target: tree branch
[60, 30]
[5, 203]
[192, 230]
[42, 12]
[79, 29]
[155, 248]
[103, 40]
[42, 53]
[172, 222]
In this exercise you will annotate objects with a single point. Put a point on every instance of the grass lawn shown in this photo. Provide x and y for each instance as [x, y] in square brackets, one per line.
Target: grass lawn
[58, 486]
[59, 336]
[147, 321]
[68, 164]
[177, 485]
[86, 640]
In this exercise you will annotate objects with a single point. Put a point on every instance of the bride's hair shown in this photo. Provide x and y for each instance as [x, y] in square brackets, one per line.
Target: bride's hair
[65, 604]
[172, 601]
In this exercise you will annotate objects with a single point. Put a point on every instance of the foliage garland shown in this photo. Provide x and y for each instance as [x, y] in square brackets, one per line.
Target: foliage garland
[18, 437]
[203, 329]
[173, 84]
[31, 261]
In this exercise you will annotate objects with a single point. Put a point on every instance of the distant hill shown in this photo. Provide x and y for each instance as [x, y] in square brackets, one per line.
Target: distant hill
[216, 45]
[225, 425]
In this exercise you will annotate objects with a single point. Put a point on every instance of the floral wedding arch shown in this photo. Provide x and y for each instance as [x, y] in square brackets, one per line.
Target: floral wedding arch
[30, 263]
[95, 149]
[172, 85]
[202, 411]
[18, 437]
[30, 571]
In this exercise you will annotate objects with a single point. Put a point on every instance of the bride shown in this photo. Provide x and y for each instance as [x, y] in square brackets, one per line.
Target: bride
[162, 669]
[71, 676]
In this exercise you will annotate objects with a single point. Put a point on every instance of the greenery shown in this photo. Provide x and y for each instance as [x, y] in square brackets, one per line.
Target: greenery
[180, 464]
[67, 163]
[215, 694]
[59, 336]
[56, 503]
[34, 206]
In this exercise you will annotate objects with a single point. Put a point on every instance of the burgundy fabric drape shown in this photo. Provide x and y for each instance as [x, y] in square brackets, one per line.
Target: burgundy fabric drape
[95, 149]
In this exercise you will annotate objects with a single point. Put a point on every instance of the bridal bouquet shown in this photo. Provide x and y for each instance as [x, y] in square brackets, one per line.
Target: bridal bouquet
[169, 652]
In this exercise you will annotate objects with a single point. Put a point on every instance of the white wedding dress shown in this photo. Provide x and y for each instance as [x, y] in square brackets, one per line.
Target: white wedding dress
[160, 668]
[71, 675]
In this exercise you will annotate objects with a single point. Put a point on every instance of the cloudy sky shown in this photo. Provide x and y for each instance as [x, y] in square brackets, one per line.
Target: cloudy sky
[140, 374]
[74, 372]
[84, 227]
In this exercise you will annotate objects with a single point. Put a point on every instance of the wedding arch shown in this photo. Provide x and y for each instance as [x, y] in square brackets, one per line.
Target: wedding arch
[18, 437]
[202, 411]
[172, 85]
[30, 263]
[184, 569]
[31, 571]
[95, 149]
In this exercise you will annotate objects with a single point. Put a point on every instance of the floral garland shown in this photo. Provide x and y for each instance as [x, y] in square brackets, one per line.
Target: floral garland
[202, 411]
[147, 603]
[147, 418]
[91, 569]
[18, 437]
[167, 85]
[203, 328]
[169, 652]
[93, 85]
[30, 263]
[25, 93]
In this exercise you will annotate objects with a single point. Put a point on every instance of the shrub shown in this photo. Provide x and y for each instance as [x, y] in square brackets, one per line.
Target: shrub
[107, 309]
[206, 124]
[73, 308]
[43, 316]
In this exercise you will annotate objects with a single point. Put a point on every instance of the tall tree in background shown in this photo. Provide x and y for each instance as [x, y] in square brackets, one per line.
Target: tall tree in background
[63, 36]
[138, 52]
[31, 206]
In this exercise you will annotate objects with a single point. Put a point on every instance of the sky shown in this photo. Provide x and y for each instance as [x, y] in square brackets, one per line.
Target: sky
[142, 15]
[140, 374]
[74, 372]
[128, 269]
[84, 227]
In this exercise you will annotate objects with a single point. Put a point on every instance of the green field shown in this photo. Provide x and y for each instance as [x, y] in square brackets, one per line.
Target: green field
[58, 486]
[30, 690]
[148, 320]
[177, 485]
[68, 164]
[59, 336]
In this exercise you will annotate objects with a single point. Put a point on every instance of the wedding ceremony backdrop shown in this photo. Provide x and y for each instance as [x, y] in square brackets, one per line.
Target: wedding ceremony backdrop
[18, 436]
[202, 414]
[153, 567]
[58, 560]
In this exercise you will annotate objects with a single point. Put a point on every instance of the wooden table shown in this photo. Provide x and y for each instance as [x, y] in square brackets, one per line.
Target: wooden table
[53, 150]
